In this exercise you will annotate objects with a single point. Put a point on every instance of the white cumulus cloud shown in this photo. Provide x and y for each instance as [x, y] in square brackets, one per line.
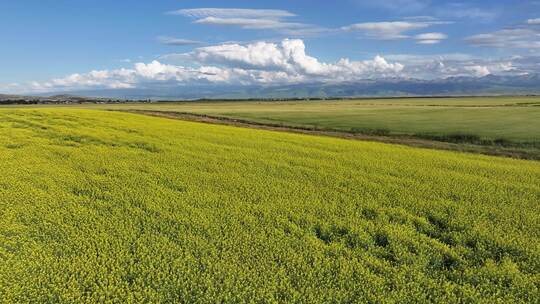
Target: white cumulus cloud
[478, 70]
[290, 56]
[254, 63]
[284, 62]
[453, 65]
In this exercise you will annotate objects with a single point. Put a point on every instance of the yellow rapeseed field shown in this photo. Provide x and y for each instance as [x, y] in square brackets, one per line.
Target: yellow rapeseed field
[99, 206]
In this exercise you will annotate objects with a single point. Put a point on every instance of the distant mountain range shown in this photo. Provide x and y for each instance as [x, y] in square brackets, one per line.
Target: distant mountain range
[60, 98]
[63, 98]
[454, 86]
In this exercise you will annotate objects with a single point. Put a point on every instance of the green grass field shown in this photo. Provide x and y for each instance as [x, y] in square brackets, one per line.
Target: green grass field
[100, 206]
[515, 119]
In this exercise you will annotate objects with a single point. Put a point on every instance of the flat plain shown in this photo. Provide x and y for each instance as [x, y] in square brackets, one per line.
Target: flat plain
[102, 206]
[514, 119]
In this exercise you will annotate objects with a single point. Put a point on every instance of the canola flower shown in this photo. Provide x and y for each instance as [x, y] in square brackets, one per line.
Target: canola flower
[100, 206]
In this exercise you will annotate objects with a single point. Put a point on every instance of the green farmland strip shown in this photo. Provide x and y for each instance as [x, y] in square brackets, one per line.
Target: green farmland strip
[515, 119]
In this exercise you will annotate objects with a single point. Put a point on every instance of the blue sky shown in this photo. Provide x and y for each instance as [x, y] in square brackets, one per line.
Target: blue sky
[55, 45]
